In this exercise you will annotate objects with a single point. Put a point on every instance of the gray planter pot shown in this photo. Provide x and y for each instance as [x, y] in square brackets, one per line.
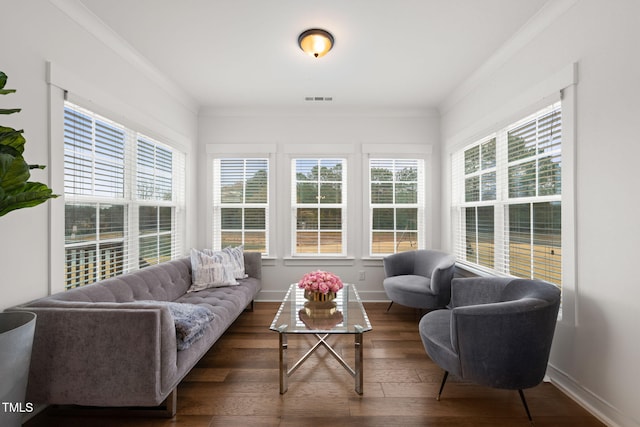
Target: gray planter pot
[16, 340]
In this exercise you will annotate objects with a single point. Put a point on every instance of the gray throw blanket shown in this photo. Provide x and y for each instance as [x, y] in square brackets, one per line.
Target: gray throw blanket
[190, 320]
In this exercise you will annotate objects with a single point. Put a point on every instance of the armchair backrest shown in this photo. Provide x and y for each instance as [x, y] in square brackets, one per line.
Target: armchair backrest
[506, 344]
[439, 267]
[399, 264]
[420, 262]
[427, 261]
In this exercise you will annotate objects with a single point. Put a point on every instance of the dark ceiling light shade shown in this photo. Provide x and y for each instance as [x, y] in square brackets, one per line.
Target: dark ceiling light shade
[315, 42]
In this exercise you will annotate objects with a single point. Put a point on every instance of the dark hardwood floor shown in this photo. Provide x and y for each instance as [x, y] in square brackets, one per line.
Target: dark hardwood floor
[236, 384]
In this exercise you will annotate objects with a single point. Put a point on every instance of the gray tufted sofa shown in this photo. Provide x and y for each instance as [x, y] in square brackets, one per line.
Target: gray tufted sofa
[100, 345]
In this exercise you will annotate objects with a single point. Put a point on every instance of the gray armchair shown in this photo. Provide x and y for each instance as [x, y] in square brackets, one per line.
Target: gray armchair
[419, 279]
[498, 332]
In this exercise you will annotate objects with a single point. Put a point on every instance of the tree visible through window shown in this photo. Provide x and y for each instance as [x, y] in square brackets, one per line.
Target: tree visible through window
[122, 196]
[319, 206]
[241, 203]
[507, 198]
[480, 186]
[396, 205]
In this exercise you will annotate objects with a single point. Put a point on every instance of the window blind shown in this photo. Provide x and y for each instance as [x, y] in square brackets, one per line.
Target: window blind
[396, 205]
[506, 199]
[154, 171]
[241, 203]
[124, 198]
[94, 156]
[319, 206]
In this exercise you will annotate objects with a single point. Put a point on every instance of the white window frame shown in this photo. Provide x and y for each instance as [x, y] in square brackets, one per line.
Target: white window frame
[240, 150]
[501, 264]
[419, 205]
[132, 202]
[64, 84]
[218, 205]
[295, 205]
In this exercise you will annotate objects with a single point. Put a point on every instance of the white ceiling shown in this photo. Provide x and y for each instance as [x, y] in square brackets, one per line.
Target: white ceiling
[388, 53]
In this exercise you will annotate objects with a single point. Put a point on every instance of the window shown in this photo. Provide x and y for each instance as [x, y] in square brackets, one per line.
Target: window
[241, 203]
[479, 188]
[124, 199]
[396, 205]
[319, 206]
[507, 199]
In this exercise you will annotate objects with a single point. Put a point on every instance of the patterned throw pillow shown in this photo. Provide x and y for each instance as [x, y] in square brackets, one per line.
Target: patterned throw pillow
[237, 260]
[210, 270]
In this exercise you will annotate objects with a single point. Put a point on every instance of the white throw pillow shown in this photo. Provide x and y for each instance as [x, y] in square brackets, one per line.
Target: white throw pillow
[210, 270]
[237, 260]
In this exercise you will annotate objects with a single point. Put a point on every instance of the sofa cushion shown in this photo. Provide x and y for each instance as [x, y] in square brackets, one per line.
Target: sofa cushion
[166, 281]
[211, 270]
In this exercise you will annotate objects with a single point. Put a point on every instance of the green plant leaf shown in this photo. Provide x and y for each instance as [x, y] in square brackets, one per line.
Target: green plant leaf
[7, 149]
[33, 194]
[15, 190]
[12, 138]
[14, 172]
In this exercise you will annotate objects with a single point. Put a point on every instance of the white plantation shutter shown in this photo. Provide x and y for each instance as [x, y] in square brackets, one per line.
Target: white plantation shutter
[241, 203]
[506, 199]
[124, 199]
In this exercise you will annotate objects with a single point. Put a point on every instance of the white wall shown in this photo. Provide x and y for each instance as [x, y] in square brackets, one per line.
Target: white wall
[33, 33]
[594, 358]
[317, 130]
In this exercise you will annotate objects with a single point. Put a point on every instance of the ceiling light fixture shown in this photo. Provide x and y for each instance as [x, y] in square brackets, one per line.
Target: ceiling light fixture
[315, 42]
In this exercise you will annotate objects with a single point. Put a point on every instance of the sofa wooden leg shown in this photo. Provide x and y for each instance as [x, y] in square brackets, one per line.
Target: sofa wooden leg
[249, 307]
[172, 403]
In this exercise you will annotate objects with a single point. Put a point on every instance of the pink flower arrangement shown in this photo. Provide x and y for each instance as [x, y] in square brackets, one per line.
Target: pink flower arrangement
[320, 281]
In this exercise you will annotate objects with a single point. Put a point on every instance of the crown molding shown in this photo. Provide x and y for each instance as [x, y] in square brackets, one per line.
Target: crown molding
[80, 14]
[325, 111]
[551, 11]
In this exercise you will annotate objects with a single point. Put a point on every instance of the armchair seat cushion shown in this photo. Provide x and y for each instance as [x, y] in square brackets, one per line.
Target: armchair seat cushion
[410, 290]
[419, 278]
[435, 331]
[410, 283]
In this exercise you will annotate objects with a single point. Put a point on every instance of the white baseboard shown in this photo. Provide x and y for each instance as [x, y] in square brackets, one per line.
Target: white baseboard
[600, 409]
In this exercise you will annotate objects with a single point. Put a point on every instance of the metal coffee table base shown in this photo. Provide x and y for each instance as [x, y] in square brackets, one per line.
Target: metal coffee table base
[285, 372]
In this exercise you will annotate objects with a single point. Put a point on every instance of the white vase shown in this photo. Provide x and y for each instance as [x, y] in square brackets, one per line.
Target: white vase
[16, 340]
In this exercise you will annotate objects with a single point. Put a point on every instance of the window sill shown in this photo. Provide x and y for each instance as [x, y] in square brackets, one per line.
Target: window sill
[372, 261]
[325, 261]
[269, 261]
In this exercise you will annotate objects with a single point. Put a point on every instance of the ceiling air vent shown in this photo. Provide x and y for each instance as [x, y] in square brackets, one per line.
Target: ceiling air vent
[318, 98]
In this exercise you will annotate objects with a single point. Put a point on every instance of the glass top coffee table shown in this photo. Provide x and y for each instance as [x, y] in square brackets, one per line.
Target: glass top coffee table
[344, 315]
